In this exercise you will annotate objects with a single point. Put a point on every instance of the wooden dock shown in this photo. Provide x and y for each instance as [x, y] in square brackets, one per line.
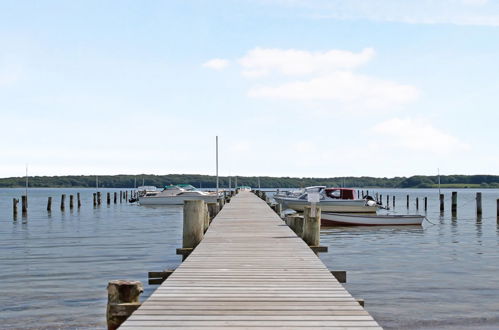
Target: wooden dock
[251, 271]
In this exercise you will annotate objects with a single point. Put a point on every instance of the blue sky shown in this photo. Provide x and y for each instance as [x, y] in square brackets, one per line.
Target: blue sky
[292, 88]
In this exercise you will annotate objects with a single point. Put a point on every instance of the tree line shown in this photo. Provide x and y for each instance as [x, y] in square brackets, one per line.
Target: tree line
[207, 181]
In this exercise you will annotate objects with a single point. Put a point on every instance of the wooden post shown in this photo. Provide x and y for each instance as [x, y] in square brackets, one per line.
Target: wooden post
[213, 209]
[221, 203]
[381, 199]
[193, 223]
[207, 219]
[295, 222]
[78, 199]
[49, 204]
[278, 209]
[407, 201]
[122, 300]
[95, 199]
[426, 203]
[358, 194]
[24, 205]
[363, 194]
[126, 196]
[312, 226]
[497, 207]
[377, 198]
[14, 207]
[115, 197]
[387, 200]
[441, 202]
[454, 202]
[393, 201]
[417, 203]
[63, 202]
[121, 196]
[478, 203]
[99, 198]
[71, 202]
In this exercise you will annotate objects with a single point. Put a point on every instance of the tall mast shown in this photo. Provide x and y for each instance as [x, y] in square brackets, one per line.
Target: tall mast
[438, 181]
[26, 184]
[96, 183]
[217, 160]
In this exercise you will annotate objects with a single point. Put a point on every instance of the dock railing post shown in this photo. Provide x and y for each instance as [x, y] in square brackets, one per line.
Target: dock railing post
[122, 300]
[312, 226]
[478, 203]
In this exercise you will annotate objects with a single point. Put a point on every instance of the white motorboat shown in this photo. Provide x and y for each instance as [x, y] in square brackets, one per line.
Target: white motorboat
[335, 219]
[177, 195]
[331, 200]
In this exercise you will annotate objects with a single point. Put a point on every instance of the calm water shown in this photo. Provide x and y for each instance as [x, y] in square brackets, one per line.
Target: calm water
[55, 267]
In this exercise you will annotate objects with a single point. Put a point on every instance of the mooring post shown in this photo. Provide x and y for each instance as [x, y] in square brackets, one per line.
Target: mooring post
[295, 222]
[122, 300]
[387, 200]
[426, 203]
[49, 204]
[417, 203]
[121, 196]
[497, 207]
[115, 199]
[24, 204]
[381, 199]
[194, 217]
[14, 207]
[95, 199]
[213, 209]
[78, 199]
[454, 202]
[63, 202]
[478, 203]
[108, 199]
[71, 202]
[221, 203]
[207, 218]
[441, 203]
[358, 194]
[312, 226]
[99, 198]
[393, 201]
[278, 209]
[126, 196]
[407, 201]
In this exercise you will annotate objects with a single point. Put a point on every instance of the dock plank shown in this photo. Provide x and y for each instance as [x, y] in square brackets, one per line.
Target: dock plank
[251, 271]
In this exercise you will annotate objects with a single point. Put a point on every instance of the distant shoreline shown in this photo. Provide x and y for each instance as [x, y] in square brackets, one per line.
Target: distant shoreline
[207, 181]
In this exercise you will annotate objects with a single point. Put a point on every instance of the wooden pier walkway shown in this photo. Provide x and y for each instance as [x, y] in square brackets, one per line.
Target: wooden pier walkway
[250, 271]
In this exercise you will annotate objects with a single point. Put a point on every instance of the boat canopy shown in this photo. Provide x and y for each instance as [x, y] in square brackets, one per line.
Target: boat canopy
[187, 187]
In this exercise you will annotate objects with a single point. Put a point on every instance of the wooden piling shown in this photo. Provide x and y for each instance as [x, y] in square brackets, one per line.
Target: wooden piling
[213, 209]
[121, 196]
[454, 202]
[387, 200]
[295, 222]
[49, 204]
[207, 219]
[441, 197]
[122, 300]
[393, 201]
[115, 197]
[426, 203]
[14, 207]
[312, 226]
[407, 201]
[95, 199]
[99, 198]
[417, 203]
[497, 207]
[193, 223]
[126, 196]
[278, 209]
[478, 203]
[24, 204]
[381, 199]
[71, 202]
[78, 200]
[63, 202]
[108, 199]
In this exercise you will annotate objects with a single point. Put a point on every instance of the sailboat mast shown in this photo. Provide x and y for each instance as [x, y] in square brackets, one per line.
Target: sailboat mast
[217, 161]
[27, 184]
[438, 181]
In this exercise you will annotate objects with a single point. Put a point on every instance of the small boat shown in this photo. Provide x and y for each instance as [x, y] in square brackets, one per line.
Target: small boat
[176, 195]
[330, 200]
[335, 219]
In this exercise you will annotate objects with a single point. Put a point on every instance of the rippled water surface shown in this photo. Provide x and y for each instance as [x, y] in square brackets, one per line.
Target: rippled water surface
[55, 267]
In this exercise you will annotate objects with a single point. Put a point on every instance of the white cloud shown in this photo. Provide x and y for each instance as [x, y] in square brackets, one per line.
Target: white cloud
[216, 64]
[344, 87]
[260, 62]
[418, 135]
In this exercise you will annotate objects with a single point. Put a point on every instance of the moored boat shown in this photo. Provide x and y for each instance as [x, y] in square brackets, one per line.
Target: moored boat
[177, 195]
[330, 200]
[335, 219]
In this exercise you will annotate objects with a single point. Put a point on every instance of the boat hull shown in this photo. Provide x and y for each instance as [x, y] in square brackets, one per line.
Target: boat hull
[174, 200]
[340, 206]
[334, 219]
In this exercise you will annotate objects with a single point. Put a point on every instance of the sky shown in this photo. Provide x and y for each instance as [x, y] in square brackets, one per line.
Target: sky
[292, 87]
